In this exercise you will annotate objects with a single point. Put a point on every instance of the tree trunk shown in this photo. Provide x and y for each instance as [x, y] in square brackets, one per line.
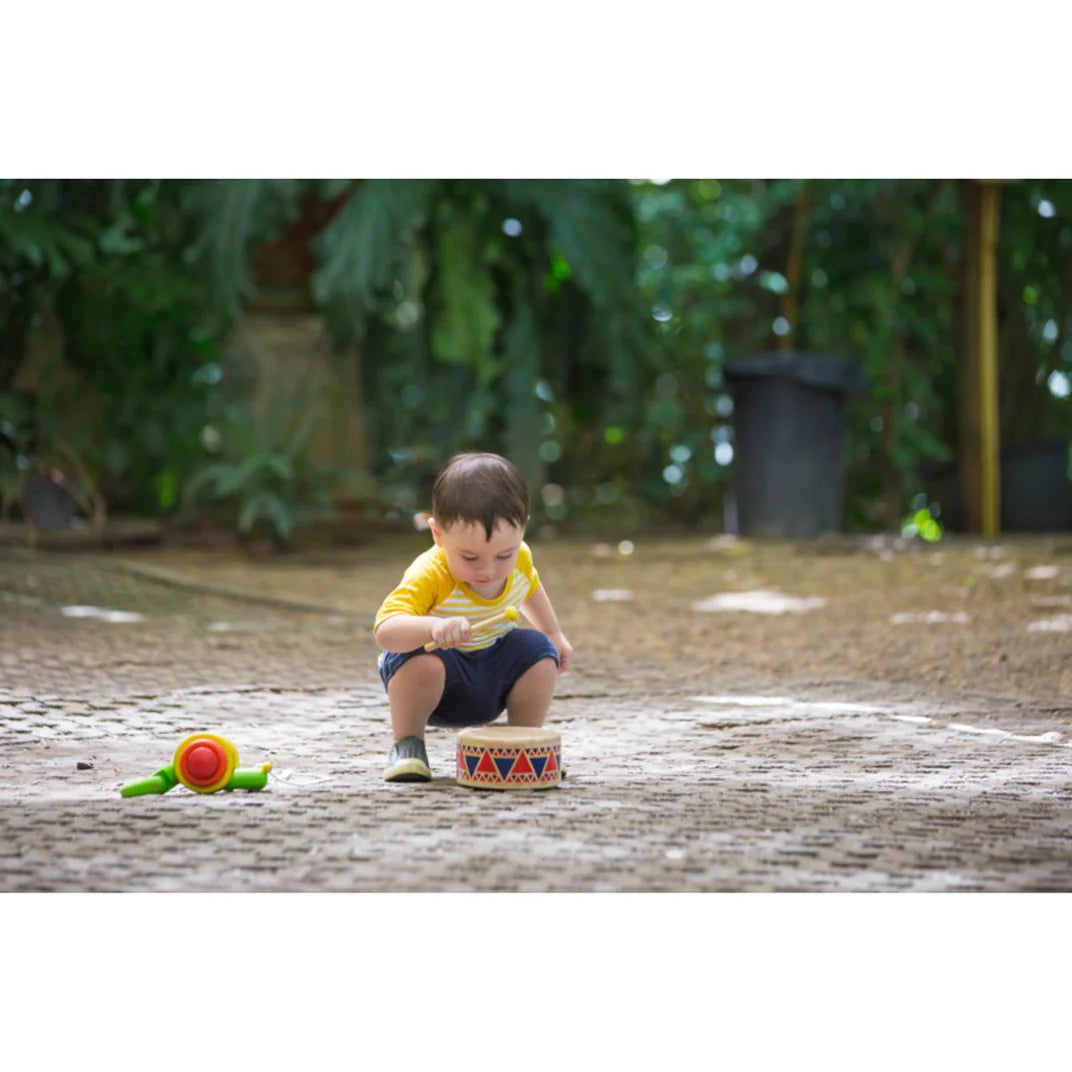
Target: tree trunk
[794, 270]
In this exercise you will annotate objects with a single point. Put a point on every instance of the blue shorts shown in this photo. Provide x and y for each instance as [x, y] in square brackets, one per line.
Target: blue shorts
[478, 682]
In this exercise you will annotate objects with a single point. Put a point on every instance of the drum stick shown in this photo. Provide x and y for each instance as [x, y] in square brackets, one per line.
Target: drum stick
[508, 615]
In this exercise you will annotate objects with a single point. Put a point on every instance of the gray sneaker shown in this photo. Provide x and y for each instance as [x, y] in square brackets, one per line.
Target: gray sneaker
[408, 762]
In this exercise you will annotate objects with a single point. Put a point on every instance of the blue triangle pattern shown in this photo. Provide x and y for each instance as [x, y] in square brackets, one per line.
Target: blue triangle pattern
[538, 764]
[471, 761]
[504, 763]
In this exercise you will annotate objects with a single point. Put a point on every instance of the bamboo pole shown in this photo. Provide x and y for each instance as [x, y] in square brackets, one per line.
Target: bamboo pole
[979, 439]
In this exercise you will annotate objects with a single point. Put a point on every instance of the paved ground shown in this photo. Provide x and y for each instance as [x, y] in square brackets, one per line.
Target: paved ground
[698, 779]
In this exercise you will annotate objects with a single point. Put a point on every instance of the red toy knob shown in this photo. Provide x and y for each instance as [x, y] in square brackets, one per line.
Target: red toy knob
[203, 762]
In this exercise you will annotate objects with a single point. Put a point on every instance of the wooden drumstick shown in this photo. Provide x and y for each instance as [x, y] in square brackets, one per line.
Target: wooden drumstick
[508, 615]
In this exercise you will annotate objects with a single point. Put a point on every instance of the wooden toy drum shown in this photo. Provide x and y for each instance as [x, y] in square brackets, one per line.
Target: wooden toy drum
[509, 757]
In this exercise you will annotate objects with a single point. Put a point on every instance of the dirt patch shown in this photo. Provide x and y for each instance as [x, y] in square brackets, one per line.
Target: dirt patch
[882, 615]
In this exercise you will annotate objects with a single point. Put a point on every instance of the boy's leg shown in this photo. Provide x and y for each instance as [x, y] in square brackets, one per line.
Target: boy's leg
[529, 700]
[414, 693]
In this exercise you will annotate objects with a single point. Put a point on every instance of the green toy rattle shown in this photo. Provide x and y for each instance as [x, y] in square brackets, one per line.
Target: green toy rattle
[204, 763]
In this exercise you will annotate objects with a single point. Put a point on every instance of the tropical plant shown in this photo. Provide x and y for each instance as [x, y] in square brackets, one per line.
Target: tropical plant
[263, 480]
[580, 326]
[45, 240]
[116, 385]
[489, 313]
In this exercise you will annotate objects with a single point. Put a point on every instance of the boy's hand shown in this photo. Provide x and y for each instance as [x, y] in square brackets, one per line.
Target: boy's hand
[565, 650]
[450, 632]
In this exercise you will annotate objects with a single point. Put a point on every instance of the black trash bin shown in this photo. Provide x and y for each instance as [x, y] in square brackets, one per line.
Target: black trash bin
[1036, 492]
[1035, 481]
[789, 440]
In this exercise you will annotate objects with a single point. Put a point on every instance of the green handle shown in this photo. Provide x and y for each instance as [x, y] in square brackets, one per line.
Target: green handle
[160, 782]
[251, 778]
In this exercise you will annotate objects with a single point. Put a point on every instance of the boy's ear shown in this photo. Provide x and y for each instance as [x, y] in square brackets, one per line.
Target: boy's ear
[436, 531]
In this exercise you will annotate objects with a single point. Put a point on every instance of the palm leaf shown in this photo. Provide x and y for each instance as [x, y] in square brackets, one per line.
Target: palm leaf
[261, 504]
[204, 478]
[465, 327]
[592, 227]
[359, 249]
[235, 214]
[522, 409]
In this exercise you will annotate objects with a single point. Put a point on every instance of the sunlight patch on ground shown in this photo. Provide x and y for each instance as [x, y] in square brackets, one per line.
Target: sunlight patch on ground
[612, 595]
[101, 614]
[928, 617]
[1062, 623]
[759, 601]
[1050, 737]
[821, 707]
[1042, 573]
[790, 708]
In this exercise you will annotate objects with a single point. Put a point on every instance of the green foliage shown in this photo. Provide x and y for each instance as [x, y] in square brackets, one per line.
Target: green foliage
[103, 262]
[464, 334]
[1035, 308]
[44, 246]
[41, 246]
[15, 446]
[232, 217]
[710, 292]
[263, 480]
[580, 326]
[922, 524]
[478, 303]
[363, 247]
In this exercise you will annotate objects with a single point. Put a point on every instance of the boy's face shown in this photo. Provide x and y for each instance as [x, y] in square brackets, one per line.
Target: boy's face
[481, 563]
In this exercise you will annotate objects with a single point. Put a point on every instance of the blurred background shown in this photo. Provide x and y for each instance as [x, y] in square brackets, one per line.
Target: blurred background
[291, 361]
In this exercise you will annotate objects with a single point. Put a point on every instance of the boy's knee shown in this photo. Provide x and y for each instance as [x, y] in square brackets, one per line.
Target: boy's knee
[548, 665]
[544, 671]
[422, 670]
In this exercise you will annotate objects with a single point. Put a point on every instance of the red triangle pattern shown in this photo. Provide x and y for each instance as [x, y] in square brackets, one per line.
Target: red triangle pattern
[487, 772]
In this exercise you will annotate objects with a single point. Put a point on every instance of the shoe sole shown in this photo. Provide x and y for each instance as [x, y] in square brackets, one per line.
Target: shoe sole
[408, 770]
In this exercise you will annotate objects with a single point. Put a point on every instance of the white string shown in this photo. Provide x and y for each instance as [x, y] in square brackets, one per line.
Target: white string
[287, 777]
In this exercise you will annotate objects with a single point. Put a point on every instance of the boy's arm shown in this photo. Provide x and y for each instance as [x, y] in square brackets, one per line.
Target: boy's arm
[537, 608]
[405, 632]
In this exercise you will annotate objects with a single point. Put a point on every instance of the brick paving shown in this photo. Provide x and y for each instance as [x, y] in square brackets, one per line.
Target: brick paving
[732, 789]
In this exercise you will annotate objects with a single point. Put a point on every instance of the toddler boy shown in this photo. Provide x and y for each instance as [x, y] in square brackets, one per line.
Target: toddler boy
[479, 566]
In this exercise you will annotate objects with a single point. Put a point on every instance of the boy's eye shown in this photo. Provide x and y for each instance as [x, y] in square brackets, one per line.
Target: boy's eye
[506, 556]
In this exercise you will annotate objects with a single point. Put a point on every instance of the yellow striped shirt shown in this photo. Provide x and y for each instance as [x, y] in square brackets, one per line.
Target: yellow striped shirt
[428, 587]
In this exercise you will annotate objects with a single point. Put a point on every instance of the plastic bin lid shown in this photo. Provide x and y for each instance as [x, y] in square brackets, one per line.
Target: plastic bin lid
[814, 370]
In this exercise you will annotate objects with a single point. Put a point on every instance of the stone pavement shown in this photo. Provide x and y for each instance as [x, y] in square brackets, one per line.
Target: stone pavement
[667, 790]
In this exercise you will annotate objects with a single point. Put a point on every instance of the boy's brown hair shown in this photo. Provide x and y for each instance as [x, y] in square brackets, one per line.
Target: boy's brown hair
[480, 489]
